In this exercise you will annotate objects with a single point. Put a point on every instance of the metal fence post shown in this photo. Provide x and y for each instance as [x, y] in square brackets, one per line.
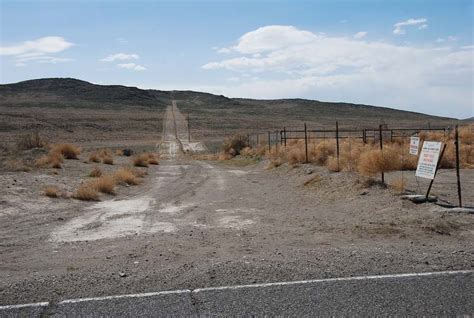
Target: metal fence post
[381, 150]
[456, 142]
[337, 144]
[306, 142]
[269, 143]
[284, 132]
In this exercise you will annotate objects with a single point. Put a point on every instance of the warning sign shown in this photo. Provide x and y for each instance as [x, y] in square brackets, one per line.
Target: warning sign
[428, 160]
[414, 144]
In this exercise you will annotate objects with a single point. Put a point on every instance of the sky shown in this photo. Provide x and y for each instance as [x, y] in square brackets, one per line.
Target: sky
[410, 55]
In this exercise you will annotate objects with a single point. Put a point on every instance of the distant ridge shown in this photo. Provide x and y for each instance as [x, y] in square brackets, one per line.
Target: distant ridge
[70, 92]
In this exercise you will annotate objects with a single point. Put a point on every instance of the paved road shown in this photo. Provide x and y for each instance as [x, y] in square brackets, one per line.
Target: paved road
[426, 294]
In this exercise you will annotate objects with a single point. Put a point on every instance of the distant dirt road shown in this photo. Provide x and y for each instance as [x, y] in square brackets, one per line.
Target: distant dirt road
[176, 135]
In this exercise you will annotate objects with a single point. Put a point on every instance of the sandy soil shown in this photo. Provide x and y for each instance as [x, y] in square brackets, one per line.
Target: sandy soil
[195, 224]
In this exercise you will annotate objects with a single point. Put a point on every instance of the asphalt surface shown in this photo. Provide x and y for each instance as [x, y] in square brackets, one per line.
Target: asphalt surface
[425, 294]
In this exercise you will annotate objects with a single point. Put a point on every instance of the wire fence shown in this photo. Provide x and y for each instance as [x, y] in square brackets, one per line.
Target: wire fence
[378, 136]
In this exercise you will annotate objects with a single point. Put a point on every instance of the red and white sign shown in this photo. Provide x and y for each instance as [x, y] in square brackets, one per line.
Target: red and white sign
[428, 160]
[414, 144]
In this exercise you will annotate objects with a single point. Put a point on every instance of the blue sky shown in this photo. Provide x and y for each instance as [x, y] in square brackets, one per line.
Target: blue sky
[414, 55]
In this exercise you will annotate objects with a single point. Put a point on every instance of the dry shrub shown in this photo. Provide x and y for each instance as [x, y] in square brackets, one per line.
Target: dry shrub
[333, 165]
[52, 192]
[30, 141]
[234, 145]
[466, 156]
[399, 185]
[52, 159]
[350, 154]
[95, 173]
[68, 151]
[247, 152]
[119, 152]
[86, 192]
[140, 160]
[274, 163]
[152, 160]
[466, 135]
[94, 157]
[224, 156]
[105, 184]
[321, 153]
[296, 155]
[108, 160]
[127, 176]
[376, 161]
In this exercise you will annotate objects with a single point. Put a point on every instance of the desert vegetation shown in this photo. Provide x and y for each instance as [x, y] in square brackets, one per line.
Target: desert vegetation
[365, 158]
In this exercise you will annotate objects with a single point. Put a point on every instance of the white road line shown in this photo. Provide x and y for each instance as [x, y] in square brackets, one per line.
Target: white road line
[7, 307]
[187, 291]
[341, 279]
[169, 292]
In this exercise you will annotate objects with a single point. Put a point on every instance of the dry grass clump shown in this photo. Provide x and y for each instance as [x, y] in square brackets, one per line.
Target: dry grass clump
[140, 160]
[94, 157]
[68, 151]
[95, 173]
[128, 176]
[86, 192]
[52, 159]
[119, 152]
[108, 160]
[376, 161]
[152, 160]
[232, 146]
[105, 184]
[30, 141]
[222, 156]
[320, 153]
[51, 191]
[466, 135]
[333, 165]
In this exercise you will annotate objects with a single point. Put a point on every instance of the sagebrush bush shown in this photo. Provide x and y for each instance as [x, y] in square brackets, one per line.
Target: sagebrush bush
[51, 191]
[140, 160]
[127, 176]
[68, 151]
[52, 159]
[87, 191]
[94, 157]
[105, 184]
[233, 145]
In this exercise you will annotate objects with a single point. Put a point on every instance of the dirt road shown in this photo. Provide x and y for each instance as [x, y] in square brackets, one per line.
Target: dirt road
[176, 135]
[196, 224]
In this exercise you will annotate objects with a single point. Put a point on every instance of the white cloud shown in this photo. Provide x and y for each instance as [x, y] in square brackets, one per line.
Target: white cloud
[360, 35]
[132, 66]
[224, 50]
[120, 57]
[399, 27]
[342, 68]
[49, 44]
[38, 50]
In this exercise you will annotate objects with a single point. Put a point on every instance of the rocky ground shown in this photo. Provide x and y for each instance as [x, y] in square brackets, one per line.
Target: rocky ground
[194, 224]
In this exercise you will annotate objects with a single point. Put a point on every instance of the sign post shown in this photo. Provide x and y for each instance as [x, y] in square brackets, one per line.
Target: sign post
[428, 161]
[414, 145]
